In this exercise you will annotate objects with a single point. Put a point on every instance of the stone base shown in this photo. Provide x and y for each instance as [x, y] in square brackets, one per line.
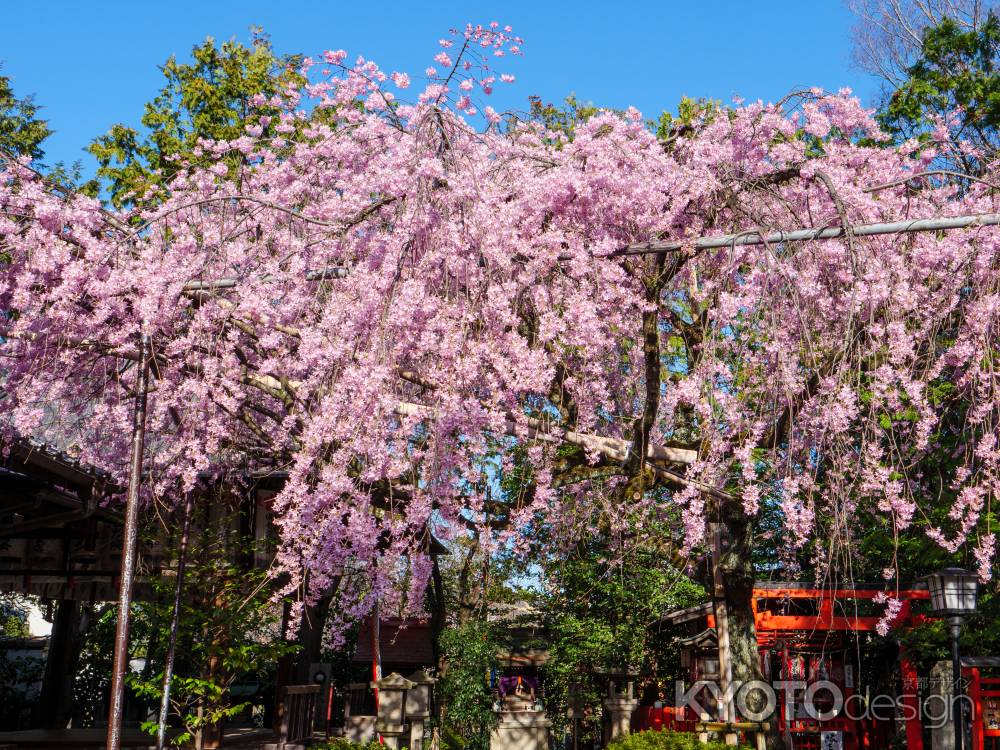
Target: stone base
[359, 729]
[620, 712]
[521, 730]
[942, 737]
[392, 735]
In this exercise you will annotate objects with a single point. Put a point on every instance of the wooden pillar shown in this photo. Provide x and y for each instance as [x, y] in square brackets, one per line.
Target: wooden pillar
[55, 703]
[911, 703]
[975, 694]
[283, 674]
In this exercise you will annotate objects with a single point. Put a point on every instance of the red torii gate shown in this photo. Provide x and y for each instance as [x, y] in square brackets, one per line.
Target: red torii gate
[983, 675]
[803, 616]
[770, 626]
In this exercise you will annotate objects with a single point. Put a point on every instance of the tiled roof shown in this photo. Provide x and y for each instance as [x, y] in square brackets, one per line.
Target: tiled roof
[23, 451]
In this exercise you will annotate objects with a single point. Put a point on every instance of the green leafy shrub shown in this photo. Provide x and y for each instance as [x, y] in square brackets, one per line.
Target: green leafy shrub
[14, 616]
[339, 743]
[599, 608]
[18, 696]
[654, 740]
[228, 632]
[451, 740]
[471, 654]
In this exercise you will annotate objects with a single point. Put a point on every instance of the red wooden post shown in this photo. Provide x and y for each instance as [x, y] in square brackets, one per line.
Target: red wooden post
[976, 696]
[911, 703]
[825, 620]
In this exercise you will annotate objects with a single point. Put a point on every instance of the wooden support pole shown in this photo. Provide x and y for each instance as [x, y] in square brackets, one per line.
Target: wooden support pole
[54, 707]
[808, 234]
[116, 710]
[376, 648]
[168, 667]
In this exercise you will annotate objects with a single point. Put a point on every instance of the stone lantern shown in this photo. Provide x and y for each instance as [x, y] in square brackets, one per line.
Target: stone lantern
[620, 702]
[418, 706]
[391, 707]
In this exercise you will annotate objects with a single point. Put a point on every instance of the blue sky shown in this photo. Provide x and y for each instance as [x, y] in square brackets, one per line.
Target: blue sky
[92, 63]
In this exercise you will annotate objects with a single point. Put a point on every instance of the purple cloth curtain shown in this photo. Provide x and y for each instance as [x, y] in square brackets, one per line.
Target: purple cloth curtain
[508, 684]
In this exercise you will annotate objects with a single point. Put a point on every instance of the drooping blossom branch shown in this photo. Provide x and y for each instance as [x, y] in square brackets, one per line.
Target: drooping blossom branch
[810, 379]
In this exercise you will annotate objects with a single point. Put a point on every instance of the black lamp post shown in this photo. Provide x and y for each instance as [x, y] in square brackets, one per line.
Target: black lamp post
[953, 595]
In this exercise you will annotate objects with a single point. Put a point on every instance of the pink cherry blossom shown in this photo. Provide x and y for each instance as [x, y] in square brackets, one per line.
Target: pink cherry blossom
[388, 310]
[893, 606]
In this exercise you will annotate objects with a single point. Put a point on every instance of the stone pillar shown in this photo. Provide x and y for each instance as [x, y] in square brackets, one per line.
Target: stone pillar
[938, 708]
[319, 674]
[391, 708]
[360, 728]
[391, 735]
[416, 734]
[418, 706]
[620, 707]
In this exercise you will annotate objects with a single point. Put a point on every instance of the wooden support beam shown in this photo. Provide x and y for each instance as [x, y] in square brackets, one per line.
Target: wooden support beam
[56, 519]
[615, 448]
[54, 708]
[809, 234]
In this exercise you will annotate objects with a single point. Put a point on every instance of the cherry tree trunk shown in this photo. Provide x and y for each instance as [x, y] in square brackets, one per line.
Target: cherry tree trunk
[738, 579]
[311, 638]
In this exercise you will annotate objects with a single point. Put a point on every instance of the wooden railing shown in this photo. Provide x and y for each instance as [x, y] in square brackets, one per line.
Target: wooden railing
[360, 700]
[298, 712]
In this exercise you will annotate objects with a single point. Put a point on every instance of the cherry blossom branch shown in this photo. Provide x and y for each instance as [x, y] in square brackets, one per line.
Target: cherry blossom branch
[341, 226]
[615, 448]
[62, 190]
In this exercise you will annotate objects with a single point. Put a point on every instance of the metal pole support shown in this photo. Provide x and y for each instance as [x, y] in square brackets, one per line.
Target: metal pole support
[955, 628]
